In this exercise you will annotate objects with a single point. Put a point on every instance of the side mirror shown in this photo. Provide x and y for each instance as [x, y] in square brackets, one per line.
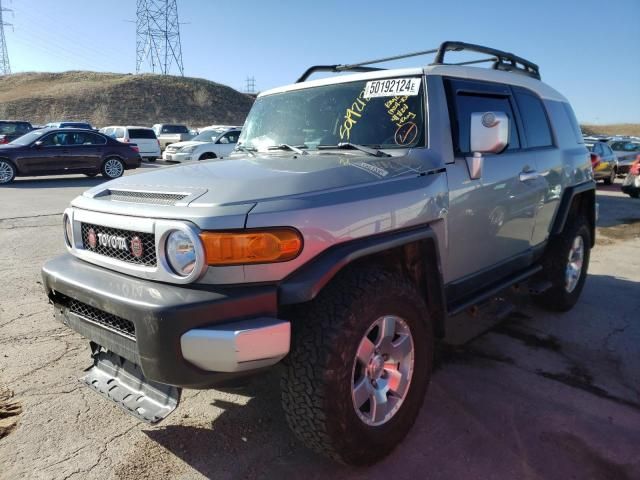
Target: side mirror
[489, 134]
[38, 144]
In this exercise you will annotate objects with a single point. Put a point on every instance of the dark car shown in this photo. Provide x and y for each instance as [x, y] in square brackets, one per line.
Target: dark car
[10, 130]
[52, 151]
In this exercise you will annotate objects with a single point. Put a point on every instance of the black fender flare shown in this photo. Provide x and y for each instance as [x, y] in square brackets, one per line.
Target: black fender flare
[570, 193]
[305, 283]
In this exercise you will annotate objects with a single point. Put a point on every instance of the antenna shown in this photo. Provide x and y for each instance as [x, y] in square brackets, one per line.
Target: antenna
[158, 36]
[251, 85]
[5, 67]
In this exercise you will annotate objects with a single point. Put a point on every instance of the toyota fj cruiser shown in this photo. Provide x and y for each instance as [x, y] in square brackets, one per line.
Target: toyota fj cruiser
[357, 215]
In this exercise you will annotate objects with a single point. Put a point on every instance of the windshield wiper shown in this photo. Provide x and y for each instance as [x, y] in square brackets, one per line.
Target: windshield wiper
[286, 146]
[244, 149]
[354, 146]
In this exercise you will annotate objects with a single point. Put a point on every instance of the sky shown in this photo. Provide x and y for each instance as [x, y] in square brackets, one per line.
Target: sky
[589, 50]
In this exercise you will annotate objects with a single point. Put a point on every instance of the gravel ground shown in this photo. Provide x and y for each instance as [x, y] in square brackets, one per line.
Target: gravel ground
[536, 395]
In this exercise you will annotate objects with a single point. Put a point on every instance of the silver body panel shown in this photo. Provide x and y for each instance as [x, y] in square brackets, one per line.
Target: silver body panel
[338, 196]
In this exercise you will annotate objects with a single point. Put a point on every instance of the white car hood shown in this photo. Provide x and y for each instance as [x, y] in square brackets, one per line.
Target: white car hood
[188, 144]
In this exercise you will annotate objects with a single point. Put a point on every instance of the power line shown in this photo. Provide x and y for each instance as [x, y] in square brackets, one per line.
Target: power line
[158, 36]
[5, 67]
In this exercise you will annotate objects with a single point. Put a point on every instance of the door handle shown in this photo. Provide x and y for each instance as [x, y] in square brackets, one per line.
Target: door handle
[530, 175]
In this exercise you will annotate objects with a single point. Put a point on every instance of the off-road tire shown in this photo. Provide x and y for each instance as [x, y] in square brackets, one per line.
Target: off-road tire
[317, 380]
[557, 298]
[8, 170]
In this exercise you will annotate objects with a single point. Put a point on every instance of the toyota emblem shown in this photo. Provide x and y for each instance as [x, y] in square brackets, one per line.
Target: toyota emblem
[92, 238]
[136, 247]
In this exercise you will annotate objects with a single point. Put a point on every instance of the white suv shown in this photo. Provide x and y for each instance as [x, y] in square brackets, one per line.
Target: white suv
[209, 143]
[144, 137]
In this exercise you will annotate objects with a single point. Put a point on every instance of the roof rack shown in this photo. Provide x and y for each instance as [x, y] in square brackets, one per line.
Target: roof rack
[501, 61]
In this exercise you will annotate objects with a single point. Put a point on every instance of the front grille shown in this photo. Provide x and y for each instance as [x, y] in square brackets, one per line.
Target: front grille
[147, 240]
[151, 198]
[94, 315]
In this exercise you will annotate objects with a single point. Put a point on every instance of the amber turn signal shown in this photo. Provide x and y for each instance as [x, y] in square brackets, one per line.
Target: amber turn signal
[252, 246]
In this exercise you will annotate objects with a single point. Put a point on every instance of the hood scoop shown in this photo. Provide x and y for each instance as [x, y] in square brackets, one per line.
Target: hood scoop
[149, 197]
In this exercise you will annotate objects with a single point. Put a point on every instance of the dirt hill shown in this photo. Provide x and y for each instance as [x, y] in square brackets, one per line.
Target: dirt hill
[614, 129]
[120, 99]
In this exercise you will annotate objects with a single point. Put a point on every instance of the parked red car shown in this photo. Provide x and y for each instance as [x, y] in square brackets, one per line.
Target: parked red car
[63, 151]
[631, 183]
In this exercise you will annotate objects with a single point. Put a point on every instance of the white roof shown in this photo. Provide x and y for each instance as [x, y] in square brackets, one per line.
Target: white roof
[458, 71]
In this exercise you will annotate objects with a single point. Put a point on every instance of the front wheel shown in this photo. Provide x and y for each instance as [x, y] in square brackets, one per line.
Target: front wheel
[7, 172]
[207, 156]
[359, 366]
[565, 265]
[112, 168]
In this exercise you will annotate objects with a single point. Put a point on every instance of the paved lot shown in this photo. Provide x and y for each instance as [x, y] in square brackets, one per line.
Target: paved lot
[534, 396]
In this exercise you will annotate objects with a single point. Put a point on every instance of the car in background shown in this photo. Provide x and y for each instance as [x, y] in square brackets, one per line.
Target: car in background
[64, 151]
[144, 137]
[626, 151]
[12, 129]
[209, 144]
[603, 161]
[82, 125]
[171, 133]
[631, 183]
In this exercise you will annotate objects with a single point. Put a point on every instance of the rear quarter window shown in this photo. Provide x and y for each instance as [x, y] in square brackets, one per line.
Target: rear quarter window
[534, 119]
[142, 133]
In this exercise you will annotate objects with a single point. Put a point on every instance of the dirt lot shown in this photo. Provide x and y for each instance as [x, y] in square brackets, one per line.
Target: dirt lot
[534, 396]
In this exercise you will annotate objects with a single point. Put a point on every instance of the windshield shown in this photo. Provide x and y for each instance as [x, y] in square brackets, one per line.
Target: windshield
[207, 136]
[385, 113]
[29, 137]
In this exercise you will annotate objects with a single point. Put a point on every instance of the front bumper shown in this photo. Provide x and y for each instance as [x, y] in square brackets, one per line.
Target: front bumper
[631, 184]
[187, 336]
[176, 157]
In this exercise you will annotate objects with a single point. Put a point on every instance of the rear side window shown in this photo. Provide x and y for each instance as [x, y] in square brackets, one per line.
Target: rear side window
[142, 133]
[534, 119]
[119, 133]
[175, 129]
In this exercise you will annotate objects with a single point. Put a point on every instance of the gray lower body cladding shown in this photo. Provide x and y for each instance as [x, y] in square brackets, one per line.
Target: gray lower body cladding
[144, 321]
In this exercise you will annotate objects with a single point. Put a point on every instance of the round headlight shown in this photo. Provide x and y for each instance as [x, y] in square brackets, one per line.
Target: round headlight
[68, 230]
[181, 253]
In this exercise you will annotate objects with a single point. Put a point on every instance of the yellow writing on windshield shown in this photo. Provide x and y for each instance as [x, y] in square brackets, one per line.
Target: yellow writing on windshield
[352, 115]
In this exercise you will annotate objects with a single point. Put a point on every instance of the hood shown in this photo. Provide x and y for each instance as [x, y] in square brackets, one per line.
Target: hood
[188, 143]
[248, 180]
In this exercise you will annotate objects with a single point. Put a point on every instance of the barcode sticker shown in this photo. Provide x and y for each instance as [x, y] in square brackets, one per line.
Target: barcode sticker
[392, 87]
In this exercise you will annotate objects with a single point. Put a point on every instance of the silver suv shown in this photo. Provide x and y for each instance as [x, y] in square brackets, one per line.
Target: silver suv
[358, 215]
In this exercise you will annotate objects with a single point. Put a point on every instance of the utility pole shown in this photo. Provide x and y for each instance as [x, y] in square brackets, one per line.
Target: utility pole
[5, 67]
[158, 36]
[251, 85]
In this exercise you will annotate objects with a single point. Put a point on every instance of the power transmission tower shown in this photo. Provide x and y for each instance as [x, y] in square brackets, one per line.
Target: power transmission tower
[251, 85]
[158, 36]
[5, 68]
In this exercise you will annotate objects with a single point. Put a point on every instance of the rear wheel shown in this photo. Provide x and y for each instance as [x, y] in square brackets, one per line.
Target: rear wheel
[565, 266]
[112, 168]
[359, 366]
[611, 178]
[151, 159]
[7, 172]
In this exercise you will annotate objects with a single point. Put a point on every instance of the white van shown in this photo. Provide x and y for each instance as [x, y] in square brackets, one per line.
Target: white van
[144, 137]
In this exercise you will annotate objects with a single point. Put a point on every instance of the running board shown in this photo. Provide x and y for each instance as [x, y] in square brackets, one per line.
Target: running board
[122, 382]
[491, 291]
